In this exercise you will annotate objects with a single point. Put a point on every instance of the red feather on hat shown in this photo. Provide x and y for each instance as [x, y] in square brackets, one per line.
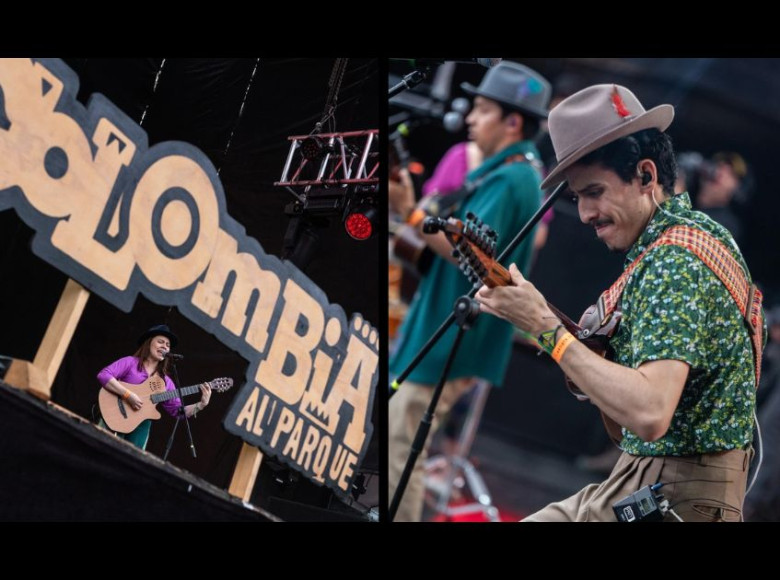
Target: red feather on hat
[617, 102]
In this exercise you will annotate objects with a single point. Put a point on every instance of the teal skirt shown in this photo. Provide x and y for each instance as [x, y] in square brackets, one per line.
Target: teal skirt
[138, 436]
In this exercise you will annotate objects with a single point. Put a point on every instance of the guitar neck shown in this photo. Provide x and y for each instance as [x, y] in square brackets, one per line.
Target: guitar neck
[499, 276]
[168, 395]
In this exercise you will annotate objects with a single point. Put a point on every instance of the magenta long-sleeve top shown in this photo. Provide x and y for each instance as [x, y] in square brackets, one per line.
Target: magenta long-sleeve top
[130, 370]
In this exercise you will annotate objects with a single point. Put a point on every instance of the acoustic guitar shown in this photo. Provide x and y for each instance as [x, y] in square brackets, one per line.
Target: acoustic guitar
[474, 246]
[408, 243]
[120, 416]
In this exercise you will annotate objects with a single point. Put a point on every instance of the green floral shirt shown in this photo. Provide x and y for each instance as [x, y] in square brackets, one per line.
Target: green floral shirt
[675, 307]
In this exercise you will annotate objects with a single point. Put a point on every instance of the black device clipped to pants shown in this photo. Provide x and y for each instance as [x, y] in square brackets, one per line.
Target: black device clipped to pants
[642, 506]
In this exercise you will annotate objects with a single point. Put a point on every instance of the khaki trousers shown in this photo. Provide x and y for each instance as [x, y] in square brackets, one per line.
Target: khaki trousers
[700, 488]
[406, 409]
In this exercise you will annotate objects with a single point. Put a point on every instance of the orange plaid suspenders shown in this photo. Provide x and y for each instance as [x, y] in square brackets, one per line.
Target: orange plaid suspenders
[717, 258]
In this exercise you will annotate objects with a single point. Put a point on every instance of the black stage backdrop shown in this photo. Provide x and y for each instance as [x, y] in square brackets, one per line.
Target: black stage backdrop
[199, 101]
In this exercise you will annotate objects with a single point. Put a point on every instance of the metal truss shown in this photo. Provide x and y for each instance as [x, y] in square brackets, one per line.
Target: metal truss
[328, 166]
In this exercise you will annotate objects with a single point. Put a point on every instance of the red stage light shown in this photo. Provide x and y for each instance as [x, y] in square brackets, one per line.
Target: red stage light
[360, 224]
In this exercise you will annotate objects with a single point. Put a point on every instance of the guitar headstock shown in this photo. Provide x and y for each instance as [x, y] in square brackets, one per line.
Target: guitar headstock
[221, 384]
[474, 244]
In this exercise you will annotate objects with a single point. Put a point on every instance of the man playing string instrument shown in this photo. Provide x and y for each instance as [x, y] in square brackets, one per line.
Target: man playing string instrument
[688, 346]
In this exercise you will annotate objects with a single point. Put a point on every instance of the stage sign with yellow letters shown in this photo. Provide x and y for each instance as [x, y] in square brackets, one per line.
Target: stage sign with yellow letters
[121, 217]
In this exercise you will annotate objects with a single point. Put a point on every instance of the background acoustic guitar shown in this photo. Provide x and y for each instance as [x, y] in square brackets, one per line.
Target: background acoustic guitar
[120, 417]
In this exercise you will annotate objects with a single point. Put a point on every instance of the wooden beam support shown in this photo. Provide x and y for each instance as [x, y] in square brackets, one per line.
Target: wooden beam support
[38, 376]
[24, 375]
[60, 331]
[245, 473]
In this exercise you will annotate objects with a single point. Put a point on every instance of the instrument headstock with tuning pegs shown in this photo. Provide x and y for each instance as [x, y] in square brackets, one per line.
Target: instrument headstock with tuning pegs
[474, 246]
[220, 384]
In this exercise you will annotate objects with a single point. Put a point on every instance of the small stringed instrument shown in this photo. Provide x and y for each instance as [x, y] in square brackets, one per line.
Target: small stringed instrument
[474, 246]
[120, 416]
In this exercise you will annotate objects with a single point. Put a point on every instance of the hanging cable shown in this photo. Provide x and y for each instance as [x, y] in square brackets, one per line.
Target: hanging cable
[365, 72]
[350, 96]
[240, 113]
[154, 90]
[334, 85]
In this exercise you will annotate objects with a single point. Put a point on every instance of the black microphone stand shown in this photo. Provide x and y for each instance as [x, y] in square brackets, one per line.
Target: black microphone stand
[464, 312]
[181, 413]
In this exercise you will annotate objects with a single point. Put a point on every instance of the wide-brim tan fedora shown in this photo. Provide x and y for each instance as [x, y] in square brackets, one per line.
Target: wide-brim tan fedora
[594, 117]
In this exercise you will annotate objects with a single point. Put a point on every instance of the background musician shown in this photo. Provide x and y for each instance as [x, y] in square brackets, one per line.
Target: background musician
[507, 108]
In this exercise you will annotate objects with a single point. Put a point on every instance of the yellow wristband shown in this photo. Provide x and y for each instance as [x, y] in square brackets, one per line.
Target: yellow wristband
[126, 395]
[561, 346]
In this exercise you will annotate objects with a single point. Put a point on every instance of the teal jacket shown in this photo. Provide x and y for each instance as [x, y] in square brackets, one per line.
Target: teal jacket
[505, 200]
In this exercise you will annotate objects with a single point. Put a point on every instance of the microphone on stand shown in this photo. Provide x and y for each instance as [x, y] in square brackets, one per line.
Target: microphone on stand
[415, 77]
[425, 108]
[173, 356]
